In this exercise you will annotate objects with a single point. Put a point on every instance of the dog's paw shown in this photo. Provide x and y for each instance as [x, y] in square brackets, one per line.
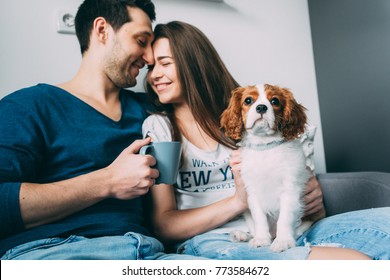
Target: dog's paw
[282, 244]
[259, 242]
[240, 236]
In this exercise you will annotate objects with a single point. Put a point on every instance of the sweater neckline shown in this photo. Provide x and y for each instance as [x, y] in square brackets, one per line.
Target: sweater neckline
[85, 104]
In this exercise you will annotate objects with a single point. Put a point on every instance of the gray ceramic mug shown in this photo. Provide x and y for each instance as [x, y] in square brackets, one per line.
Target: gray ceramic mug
[167, 155]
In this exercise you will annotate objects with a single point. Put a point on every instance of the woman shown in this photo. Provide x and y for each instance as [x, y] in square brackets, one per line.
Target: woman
[191, 87]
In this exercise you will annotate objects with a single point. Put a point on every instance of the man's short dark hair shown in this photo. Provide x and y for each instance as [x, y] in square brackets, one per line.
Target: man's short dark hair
[114, 11]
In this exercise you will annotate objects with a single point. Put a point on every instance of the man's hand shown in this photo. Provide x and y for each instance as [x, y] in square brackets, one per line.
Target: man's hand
[132, 174]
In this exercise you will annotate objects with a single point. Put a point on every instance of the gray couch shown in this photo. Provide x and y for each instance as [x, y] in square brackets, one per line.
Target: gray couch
[344, 192]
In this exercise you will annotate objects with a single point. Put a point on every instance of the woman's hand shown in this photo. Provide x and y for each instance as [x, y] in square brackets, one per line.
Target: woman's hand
[314, 205]
[235, 165]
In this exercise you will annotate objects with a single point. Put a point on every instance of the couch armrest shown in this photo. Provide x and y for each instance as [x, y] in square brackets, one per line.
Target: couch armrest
[343, 192]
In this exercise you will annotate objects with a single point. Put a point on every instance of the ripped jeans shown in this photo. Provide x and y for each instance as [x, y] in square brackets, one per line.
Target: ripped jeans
[131, 246]
[367, 231]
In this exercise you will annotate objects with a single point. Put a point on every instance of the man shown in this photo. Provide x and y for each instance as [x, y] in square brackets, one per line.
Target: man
[71, 181]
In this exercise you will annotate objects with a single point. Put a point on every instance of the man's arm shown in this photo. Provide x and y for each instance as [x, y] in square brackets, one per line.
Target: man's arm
[129, 176]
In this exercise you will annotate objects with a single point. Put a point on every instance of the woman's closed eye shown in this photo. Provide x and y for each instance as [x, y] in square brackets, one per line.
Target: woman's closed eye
[165, 62]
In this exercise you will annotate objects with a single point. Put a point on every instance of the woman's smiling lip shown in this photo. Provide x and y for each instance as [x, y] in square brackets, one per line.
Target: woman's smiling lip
[161, 86]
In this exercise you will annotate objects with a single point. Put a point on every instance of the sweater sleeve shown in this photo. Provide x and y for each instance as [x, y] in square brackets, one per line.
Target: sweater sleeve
[20, 158]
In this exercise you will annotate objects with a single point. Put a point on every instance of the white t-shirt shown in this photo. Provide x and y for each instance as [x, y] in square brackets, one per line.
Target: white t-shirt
[205, 176]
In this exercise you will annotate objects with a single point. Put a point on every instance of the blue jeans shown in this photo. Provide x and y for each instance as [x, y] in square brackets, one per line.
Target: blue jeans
[367, 231]
[131, 246]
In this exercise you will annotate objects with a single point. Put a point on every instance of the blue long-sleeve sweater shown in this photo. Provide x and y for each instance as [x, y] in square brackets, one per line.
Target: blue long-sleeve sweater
[48, 135]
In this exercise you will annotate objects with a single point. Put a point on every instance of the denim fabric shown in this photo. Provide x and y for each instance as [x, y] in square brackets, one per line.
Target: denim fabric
[220, 246]
[367, 231]
[131, 246]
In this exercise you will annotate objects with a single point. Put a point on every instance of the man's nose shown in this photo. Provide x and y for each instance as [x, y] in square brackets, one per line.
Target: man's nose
[148, 55]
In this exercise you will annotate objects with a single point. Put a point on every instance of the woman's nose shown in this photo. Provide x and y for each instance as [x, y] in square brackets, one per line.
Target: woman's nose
[154, 73]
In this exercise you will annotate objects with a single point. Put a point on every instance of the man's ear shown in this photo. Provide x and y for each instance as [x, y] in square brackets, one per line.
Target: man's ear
[100, 28]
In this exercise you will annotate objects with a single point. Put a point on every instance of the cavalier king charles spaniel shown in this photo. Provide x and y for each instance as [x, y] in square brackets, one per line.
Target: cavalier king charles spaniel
[268, 122]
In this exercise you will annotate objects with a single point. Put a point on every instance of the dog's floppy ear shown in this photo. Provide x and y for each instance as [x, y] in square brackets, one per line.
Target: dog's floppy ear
[231, 118]
[294, 117]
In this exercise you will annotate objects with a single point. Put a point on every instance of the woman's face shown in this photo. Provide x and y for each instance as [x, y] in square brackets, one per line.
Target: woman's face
[162, 76]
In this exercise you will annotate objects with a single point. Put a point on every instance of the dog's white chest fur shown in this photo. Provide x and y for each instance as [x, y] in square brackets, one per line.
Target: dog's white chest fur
[274, 179]
[269, 173]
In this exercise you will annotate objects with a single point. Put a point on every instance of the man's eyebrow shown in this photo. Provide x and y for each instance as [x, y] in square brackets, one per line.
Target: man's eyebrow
[144, 33]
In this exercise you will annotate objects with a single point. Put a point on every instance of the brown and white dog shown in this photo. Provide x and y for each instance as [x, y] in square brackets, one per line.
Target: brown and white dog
[268, 121]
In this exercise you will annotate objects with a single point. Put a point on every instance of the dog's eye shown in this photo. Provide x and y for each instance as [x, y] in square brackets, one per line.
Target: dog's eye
[248, 101]
[275, 101]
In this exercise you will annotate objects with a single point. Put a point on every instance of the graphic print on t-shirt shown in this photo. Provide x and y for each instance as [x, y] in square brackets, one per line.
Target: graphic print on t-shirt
[200, 175]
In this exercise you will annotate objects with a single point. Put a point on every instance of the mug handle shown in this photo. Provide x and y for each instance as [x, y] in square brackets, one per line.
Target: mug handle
[144, 149]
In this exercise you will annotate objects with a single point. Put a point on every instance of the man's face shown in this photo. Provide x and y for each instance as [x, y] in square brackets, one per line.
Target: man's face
[129, 50]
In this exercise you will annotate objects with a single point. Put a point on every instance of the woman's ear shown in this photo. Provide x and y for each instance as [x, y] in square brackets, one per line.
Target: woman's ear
[231, 118]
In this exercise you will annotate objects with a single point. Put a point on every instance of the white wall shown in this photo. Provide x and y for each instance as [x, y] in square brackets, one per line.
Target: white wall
[259, 40]
[31, 50]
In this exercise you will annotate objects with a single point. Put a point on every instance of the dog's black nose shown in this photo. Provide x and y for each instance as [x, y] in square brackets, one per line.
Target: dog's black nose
[261, 109]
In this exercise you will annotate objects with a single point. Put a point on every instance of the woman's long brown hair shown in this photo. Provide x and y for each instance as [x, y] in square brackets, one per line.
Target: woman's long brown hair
[206, 83]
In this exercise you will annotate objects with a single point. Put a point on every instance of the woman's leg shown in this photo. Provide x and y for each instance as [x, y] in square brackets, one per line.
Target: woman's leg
[334, 253]
[367, 231]
[220, 246]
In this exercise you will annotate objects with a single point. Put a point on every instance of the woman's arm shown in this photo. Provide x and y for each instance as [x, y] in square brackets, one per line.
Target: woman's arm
[171, 224]
[175, 225]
